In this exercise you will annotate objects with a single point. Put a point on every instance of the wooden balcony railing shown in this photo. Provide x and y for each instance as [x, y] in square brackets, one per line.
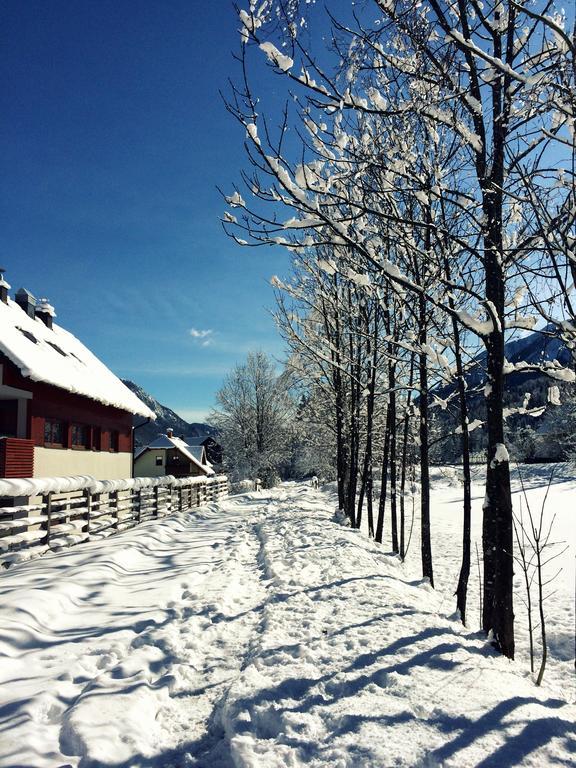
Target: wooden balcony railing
[16, 457]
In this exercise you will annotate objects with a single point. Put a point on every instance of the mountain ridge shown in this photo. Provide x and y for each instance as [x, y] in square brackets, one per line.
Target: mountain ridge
[166, 419]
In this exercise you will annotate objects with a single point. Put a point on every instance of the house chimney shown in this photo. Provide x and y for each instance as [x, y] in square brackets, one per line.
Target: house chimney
[26, 301]
[169, 432]
[4, 287]
[45, 312]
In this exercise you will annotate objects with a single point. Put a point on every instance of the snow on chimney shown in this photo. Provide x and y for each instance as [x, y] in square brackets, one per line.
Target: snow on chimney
[27, 302]
[45, 311]
[4, 287]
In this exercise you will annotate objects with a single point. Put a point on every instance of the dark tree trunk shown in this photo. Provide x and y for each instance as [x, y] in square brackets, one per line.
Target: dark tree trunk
[497, 528]
[372, 353]
[425, 546]
[462, 588]
[383, 479]
[339, 397]
[355, 366]
[404, 460]
[362, 491]
[393, 492]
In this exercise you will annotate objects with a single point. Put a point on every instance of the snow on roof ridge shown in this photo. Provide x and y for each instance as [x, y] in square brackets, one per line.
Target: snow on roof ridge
[55, 356]
[164, 441]
[183, 448]
[45, 306]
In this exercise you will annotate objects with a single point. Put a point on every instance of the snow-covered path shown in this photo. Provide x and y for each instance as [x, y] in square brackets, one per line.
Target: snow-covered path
[254, 633]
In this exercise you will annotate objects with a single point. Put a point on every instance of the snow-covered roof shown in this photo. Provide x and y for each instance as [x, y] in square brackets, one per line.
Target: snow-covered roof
[54, 356]
[190, 452]
[198, 440]
[197, 451]
[194, 440]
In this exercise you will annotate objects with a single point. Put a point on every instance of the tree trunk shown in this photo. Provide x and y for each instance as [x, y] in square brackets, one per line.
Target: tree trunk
[462, 588]
[372, 352]
[497, 527]
[383, 479]
[393, 493]
[425, 546]
[404, 459]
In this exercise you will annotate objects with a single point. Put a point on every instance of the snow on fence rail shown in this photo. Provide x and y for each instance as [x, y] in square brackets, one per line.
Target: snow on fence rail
[62, 511]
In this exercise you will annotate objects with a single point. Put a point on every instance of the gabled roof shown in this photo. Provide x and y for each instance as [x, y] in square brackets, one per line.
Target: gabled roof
[194, 440]
[54, 356]
[197, 451]
[200, 440]
[190, 452]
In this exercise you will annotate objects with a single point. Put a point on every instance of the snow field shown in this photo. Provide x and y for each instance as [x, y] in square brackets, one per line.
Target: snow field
[255, 633]
[446, 533]
[121, 649]
[353, 667]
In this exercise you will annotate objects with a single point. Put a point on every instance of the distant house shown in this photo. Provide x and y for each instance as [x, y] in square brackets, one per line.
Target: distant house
[169, 455]
[213, 449]
[62, 411]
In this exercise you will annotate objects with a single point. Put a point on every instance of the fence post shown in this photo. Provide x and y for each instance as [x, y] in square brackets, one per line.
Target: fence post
[113, 501]
[48, 507]
[139, 506]
[95, 503]
[88, 497]
[180, 498]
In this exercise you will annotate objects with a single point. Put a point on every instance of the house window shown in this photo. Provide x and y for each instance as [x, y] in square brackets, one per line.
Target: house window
[158, 461]
[79, 436]
[54, 433]
[114, 440]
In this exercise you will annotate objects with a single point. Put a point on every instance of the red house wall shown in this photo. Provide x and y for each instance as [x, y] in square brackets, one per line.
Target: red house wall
[50, 402]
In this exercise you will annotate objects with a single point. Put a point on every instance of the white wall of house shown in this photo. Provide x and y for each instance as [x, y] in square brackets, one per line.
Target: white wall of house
[145, 465]
[52, 462]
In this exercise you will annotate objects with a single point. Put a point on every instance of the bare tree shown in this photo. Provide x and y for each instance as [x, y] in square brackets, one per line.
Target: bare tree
[253, 418]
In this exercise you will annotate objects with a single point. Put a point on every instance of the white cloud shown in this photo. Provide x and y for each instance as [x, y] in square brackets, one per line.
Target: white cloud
[203, 337]
[198, 334]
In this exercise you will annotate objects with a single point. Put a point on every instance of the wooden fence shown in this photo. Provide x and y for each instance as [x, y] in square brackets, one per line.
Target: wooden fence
[53, 518]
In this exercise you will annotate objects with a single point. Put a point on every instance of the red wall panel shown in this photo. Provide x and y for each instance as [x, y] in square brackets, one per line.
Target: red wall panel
[54, 403]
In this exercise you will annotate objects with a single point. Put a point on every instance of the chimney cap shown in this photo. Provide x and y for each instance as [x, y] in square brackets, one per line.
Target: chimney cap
[3, 282]
[45, 308]
[169, 432]
[25, 294]
[26, 301]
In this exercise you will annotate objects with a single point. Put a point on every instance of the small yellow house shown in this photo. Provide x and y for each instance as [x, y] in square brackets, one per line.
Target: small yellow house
[169, 455]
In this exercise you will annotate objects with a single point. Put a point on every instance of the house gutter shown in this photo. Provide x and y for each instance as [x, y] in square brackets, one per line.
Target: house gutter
[134, 442]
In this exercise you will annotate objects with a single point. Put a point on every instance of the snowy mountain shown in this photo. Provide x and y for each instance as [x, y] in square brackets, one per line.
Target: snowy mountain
[166, 418]
[534, 348]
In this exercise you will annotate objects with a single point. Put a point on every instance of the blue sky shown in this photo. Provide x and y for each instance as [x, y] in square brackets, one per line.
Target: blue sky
[114, 138]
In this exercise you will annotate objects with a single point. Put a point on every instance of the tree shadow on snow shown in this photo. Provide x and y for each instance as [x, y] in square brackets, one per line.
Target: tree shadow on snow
[297, 689]
[535, 734]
